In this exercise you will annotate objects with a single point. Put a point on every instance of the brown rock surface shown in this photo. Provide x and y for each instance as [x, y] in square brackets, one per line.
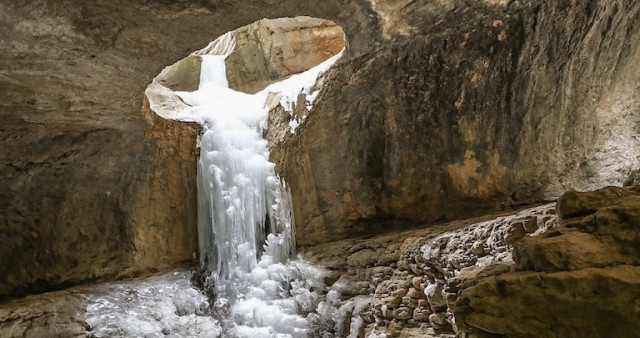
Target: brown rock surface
[468, 107]
[94, 186]
[439, 110]
[583, 303]
[411, 276]
[55, 314]
[574, 203]
[270, 50]
[577, 279]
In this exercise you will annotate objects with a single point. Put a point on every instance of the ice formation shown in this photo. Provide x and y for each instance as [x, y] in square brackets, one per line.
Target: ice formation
[244, 218]
[246, 235]
[160, 306]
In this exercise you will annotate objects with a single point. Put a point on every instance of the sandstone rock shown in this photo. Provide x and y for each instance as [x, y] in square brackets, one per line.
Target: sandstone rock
[438, 320]
[399, 292]
[76, 185]
[574, 203]
[270, 50]
[392, 302]
[421, 314]
[414, 293]
[416, 282]
[582, 275]
[581, 303]
[415, 131]
[568, 250]
[108, 188]
[410, 302]
[402, 313]
[516, 232]
[55, 314]
[435, 296]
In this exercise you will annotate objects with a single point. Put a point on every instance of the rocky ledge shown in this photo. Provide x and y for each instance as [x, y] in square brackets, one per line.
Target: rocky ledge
[580, 279]
[536, 273]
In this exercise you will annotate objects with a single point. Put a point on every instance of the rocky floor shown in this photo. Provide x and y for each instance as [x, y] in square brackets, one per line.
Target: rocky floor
[54, 314]
[407, 275]
[536, 273]
[575, 267]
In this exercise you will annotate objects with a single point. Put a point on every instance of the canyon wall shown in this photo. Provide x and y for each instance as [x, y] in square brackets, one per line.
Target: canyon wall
[438, 110]
[93, 185]
[470, 107]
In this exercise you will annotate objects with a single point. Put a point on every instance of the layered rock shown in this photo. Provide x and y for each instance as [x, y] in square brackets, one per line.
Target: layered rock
[55, 314]
[95, 186]
[439, 110]
[471, 108]
[578, 278]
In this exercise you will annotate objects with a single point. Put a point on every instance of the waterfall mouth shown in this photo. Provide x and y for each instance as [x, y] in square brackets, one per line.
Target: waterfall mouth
[245, 223]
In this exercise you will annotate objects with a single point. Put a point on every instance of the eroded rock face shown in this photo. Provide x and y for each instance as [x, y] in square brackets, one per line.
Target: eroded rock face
[468, 109]
[55, 314]
[95, 186]
[270, 50]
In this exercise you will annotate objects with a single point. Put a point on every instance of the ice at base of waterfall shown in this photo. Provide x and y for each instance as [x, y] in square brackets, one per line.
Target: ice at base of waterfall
[160, 306]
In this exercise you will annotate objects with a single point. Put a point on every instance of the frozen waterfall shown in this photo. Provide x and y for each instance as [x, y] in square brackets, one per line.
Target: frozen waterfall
[246, 231]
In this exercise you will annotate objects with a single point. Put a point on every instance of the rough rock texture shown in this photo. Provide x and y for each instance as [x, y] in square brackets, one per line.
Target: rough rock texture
[406, 276]
[55, 314]
[440, 109]
[270, 50]
[94, 186]
[257, 55]
[578, 278]
[468, 107]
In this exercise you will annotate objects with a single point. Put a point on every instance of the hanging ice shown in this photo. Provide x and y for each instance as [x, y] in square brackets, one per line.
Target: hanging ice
[244, 219]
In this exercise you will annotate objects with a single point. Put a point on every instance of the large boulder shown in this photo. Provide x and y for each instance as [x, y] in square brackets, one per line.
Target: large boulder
[573, 281]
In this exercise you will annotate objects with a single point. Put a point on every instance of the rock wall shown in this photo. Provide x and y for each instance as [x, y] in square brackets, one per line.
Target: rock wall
[93, 186]
[268, 51]
[439, 110]
[468, 108]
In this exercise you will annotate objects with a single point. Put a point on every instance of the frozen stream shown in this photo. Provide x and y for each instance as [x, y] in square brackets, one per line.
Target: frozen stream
[247, 240]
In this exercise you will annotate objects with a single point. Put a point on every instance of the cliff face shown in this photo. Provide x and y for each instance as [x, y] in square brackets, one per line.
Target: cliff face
[439, 110]
[93, 184]
[468, 108]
